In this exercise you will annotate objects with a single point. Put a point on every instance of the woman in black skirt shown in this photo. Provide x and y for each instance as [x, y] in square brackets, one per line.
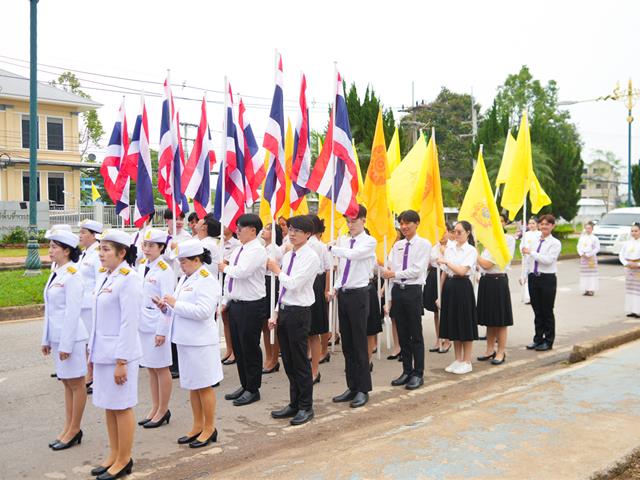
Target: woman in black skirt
[494, 303]
[458, 318]
[374, 320]
[271, 363]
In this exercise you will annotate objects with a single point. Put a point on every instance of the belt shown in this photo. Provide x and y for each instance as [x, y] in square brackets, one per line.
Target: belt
[242, 302]
[403, 286]
[283, 307]
[353, 290]
[541, 274]
[458, 276]
[494, 275]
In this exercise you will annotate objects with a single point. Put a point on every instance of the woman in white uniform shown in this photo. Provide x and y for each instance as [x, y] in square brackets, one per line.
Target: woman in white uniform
[115, 350]
[530, 240]
[275, 252]
[64, 334]
[588, 248]
[230, 243]
[208, 232]
[158, 281]
[195, 332]
[630, 258]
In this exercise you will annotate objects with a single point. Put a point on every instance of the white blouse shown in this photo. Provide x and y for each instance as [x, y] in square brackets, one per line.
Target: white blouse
[465, 255]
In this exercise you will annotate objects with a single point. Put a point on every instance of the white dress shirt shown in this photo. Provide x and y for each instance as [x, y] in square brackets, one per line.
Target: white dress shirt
[229, 247]
[170, 255]
[158, 282]
[298, 281]
[465, 256]
[361, 257]
[323, 254]
[486, 254]
[247, 268]
[212, 245]
[415, 272]
[545, 255]
[89, 265]
[588, 245]
[630, 251]
[529, 240]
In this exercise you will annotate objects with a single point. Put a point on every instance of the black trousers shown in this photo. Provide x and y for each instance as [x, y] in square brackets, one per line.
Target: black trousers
[293, 334]
[245, 320]
[406, 309]
[174, 359]
[353, 309]
[542, 291]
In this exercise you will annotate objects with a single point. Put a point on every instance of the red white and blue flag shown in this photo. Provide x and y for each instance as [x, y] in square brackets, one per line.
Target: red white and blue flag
[139, 148]
[340, 185]
[197, 172]
[301, 166]
[275, 184]
[116, 153]
[253, 159]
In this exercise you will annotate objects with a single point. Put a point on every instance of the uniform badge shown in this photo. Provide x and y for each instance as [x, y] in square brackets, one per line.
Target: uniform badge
[204, 273]
[124, 271]
[102, 269]
[162, 265]
[71, 270]
[143, 261]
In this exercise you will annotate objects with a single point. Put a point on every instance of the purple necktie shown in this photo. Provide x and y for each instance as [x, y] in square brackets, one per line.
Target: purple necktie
[284, 289]
[405, 258]
[535, 264]
[348, 264]
[234, 264]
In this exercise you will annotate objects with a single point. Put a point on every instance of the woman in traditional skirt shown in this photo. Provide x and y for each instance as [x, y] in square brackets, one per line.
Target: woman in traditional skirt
[630, 258]
[588, 248]
[274, 251]
[195, 332]
[458, 318]
[430, 292]
[494, 302]
[158, 281]
[114, 349]
[64, 334]
[529, 240]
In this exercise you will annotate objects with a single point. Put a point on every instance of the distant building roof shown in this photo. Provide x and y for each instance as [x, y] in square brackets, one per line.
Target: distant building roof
[591, 202]
[16, 86]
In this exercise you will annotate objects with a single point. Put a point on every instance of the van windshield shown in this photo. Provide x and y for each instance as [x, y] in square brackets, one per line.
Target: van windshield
[623, 219]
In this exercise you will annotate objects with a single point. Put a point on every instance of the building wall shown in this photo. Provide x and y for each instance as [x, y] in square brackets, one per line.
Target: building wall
[600, 181]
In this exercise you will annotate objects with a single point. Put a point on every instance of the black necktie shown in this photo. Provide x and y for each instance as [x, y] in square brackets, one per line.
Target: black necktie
[146, 270]
[55, 274]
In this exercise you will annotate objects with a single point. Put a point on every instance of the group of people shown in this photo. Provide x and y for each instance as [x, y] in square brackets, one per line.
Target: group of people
[155, 300]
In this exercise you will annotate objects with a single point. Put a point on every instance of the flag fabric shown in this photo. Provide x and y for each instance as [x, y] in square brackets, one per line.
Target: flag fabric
[197, 172]
[520, 174]
[538, 196]
[393, 154]
[253, 159]
[406, 185]
[324, 213]
[432, 223]
[128, 169]
[265, 211]
[359, 196]
[275, 185]
[95, 194]
[301, 162]
[139, 148]
[178, 171]
[379, 218]
[510, 149]
[287, 208]
[116, 153]
[480, 210]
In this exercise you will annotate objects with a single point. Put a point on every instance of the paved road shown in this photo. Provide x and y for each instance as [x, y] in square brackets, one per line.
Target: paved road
[32, 402]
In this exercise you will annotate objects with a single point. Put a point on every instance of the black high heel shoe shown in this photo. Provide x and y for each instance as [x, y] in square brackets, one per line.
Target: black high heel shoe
[326, 358]
[77, 438]
[186, 439]
[317, 379]
[99, 470]
[212, 439]
[276, 368]
[143, 421]
[484, 358]
[165, 418]
[125, 471]
[53, 442]
[499, 362]
[394, 357]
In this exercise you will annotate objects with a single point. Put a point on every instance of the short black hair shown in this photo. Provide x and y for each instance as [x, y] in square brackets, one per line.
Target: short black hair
[250, 220]
[409, 216]
[362, 213]
[168, 214]
[301, 222]
[318, 224]
[547, 218]
[193, 217]
[213, 226]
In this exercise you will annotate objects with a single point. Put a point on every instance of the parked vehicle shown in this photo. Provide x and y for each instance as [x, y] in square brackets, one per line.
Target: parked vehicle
[615, 228]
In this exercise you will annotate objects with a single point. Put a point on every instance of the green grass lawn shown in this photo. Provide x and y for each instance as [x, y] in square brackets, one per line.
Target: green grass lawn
[16, 289]
[20, 252]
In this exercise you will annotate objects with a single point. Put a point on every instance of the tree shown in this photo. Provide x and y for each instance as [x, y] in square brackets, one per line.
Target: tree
[635, 183]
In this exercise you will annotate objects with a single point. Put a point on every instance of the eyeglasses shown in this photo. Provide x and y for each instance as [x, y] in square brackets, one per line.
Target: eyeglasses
[295, 230]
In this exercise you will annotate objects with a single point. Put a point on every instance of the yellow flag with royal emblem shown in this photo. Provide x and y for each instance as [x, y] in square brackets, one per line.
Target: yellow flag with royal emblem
[432, 223]
[480, 210]
[393, 154]
[359, 197]
[406, 185]
[510, 149]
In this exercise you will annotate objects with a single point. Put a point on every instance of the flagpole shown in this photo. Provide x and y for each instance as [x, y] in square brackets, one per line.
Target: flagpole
[272, 286]
[524, 228]
[223, 161]
[387, 299]
[332, 323]
[437, 241]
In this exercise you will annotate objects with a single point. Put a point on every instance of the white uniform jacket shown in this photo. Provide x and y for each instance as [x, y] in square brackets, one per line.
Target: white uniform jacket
[89, 266]
[158, 282]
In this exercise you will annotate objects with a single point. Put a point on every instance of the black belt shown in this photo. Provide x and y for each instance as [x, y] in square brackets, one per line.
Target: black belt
[458, 276]
[540, 274]
[243, 302]
[494, 275]
[283, 307]
[353, 290]
[403, 286]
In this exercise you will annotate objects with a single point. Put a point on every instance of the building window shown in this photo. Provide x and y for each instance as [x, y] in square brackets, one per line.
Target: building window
[26, 132]
[25, 186]
[585, 171]
[599, 185]
[55, 186]
[55, 137]
[583, 187]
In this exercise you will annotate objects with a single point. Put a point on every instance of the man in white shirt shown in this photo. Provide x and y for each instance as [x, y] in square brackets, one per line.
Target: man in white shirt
[244, 301]
[408, 271]
[356, 255]
[299, 268]
[542, 284]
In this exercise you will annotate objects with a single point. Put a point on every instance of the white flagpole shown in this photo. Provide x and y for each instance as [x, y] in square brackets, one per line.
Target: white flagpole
[272, 292]
[223, 161]
[379, 337]
[332, 323]
[387, 300]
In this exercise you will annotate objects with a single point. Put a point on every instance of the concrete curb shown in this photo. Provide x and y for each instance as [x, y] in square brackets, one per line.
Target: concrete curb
[582, 351]
[19, 313]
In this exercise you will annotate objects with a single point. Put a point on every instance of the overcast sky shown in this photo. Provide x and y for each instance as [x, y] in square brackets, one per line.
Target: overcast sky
[586, 46]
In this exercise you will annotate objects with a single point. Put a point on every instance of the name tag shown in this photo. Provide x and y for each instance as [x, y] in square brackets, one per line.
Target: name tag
[187, 289]
[105, 290]
[56, 285]
[152, 280]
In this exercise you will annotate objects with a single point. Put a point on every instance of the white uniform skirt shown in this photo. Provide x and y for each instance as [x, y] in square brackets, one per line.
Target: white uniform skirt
[152, 356]
[86, 315]
[111, 396]
[200, 366]
[73, 367]
[632, 291]
[589, 274]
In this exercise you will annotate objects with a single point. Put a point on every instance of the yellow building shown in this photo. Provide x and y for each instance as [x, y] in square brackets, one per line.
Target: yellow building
[59, 159]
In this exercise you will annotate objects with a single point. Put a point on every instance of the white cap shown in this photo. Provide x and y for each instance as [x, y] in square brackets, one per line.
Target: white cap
[62, 236]
[61, 226]
[117, 236]
[155, 235]
[91, 225]
[189, 248]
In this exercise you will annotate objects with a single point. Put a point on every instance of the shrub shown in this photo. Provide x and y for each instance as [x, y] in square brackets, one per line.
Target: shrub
[563, 231]
[17, 235]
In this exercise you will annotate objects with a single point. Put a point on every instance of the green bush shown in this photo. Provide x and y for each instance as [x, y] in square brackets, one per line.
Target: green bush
[17, 235]
[563, 231]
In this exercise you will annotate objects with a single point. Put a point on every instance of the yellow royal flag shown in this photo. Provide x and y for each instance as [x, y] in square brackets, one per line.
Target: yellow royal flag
[520, 174]
[432, 223]
[285, 210]
[379, 218]
[359, 197]
[324, 213]
[406, 185]
[393, 154]
[95, 194]
[480, 210]
[265, 211]
[538, 196]
[510, 148]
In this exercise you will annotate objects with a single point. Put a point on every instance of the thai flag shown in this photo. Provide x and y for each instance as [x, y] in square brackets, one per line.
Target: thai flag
[233, 176]
[275, 184]
[301, 167]
[342, 186]
[139, 148]
[197, 172]
[116, 153]
[253, 159]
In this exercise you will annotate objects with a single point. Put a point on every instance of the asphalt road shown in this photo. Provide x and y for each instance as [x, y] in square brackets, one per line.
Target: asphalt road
[32, 402]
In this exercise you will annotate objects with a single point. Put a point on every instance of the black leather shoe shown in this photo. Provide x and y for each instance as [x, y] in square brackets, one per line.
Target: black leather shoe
[77, 438]
[175, 375]
[234, 395]
[414, 382]
[401, 380]
[165, 418]
[125, 471]
[99, 470]
[212, 439]
[532, 346]
[267, 371]
[229, 362]
[484, 358]
[495, 361]
[434, 349]
[246, 398]
[89, 390]
[394, 357]
[53, 442]
[317, 379]
[360, 400]
[285, 412]
[543, 347]
[186, 439]
[55, 375]
[143, 421]
[326, 358]
[303, 416]
[347, 396]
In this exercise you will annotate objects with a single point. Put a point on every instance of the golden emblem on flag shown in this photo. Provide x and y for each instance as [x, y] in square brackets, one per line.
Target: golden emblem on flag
[481, 214]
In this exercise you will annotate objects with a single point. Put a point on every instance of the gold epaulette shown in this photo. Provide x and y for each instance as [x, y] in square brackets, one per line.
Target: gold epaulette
[102, 269]
[71, 270]
[124, 271]
[204, 273]
[162, 265]
[143, 260]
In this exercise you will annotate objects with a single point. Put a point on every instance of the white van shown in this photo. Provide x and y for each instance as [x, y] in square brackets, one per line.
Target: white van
[615, 228]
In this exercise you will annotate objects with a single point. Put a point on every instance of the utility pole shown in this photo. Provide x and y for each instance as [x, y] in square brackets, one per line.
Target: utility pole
[185, 138]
